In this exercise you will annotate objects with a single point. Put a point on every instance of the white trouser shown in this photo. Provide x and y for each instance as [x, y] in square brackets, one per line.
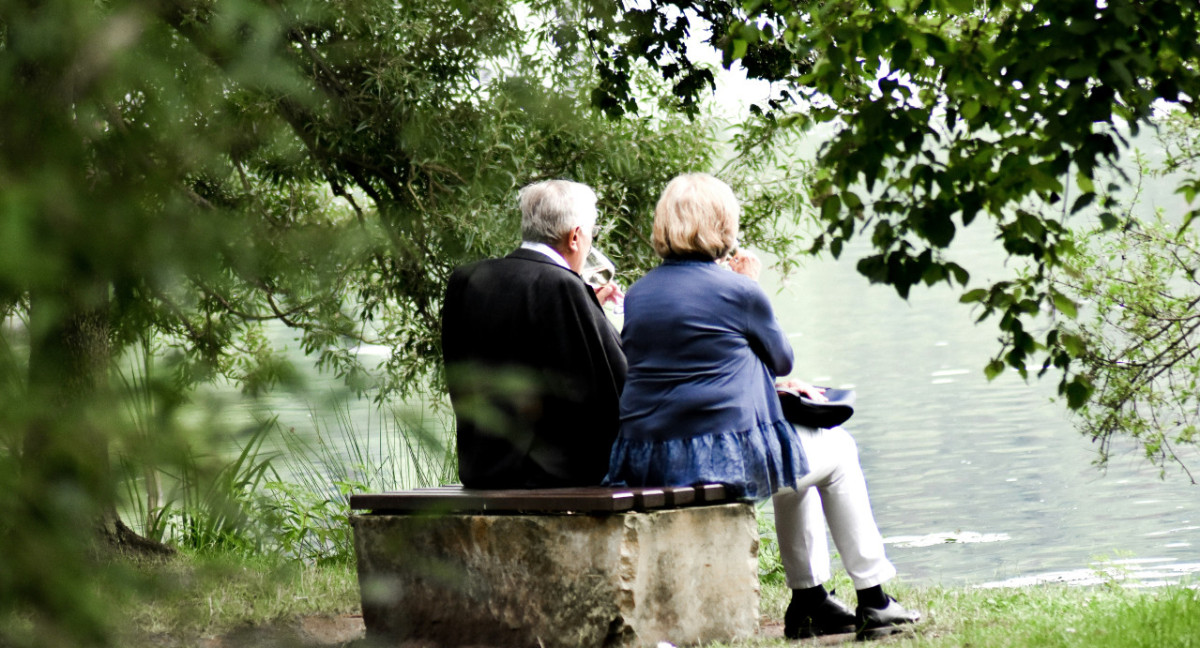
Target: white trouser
[833, 490]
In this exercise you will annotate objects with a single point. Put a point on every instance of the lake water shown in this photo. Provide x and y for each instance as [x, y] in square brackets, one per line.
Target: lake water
[974, 482]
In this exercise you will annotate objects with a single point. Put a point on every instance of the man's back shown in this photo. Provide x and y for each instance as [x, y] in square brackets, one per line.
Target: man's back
[535, 373]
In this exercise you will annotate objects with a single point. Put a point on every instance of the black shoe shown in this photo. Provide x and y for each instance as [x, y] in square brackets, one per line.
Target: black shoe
[873, 623]
[831, 616]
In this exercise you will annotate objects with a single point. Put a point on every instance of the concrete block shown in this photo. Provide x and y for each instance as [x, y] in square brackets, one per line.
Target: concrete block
[685, 576]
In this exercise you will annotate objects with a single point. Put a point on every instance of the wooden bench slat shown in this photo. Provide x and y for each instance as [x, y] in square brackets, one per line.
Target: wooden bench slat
[712, 493]
[679, 495]
[498, 501]
[644, 498]
[589, 499]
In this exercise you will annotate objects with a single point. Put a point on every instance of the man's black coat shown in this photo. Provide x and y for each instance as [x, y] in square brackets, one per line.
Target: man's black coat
[535, 371]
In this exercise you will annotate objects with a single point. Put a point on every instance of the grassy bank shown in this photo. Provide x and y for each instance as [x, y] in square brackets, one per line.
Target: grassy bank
[266, 554]
[1048, 616]
[198, 597]
[234, 602]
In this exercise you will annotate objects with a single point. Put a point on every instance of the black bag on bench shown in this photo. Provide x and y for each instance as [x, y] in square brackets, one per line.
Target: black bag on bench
[802, 410]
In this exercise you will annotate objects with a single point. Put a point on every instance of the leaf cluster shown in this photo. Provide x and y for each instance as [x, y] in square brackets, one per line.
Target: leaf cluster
[1138, 334]
[942, 114]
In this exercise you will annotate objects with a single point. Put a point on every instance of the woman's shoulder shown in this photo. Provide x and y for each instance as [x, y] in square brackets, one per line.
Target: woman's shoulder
[680, 277]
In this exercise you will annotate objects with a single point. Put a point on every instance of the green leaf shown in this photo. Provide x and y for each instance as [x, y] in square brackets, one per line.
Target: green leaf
[993, 369]
[939, 229]
[1078, 391]
[739, 49]
[1064, 304]
[1073, 344]
[933, 274]
[831, 208]
[1080, 70]
[972, 296]
[873, 268]
[1082, 202]
[960, 273]
[1085, 183]
[1187, 221]
[961, 6]
[1189, 189]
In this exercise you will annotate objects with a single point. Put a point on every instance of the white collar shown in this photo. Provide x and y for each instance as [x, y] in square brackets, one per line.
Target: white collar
[546, 250]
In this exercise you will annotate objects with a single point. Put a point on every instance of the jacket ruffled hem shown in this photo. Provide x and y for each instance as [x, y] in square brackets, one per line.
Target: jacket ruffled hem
[755, 463]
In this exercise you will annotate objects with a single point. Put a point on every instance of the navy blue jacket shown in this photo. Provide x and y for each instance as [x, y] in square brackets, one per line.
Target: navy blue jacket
[704, 348]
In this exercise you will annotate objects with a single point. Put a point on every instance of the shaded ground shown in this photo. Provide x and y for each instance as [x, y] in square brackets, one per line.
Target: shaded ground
[317, 631]
[348, 631]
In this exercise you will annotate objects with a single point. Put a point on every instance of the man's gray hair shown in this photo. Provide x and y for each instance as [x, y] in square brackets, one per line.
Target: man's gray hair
[550, 209]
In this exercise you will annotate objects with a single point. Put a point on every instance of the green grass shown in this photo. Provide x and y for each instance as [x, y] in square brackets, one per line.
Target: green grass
[195, 596]
[205, 596]
[1055, 616]
[1047, 616]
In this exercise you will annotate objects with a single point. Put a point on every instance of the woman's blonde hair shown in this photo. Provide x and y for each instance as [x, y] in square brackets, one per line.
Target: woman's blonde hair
[697, 214]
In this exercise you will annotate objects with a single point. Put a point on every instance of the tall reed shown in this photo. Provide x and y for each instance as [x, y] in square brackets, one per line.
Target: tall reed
[396, 449]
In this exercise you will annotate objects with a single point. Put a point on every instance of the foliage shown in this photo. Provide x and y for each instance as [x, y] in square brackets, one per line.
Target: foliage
[281, 492]
[1139, 333]
[212, 509]
[186, 172]
[308, 500]
[770, 565]
[204, 502]
[940, 114]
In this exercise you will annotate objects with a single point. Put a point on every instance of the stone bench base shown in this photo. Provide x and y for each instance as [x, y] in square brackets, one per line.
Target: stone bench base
[686, 576]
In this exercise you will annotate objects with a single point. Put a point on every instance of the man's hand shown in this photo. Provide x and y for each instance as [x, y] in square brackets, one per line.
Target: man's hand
[745, 263]
[610, 292]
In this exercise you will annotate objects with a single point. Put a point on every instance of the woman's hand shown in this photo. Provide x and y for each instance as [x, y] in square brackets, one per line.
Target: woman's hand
[745, 263]
[815, 394]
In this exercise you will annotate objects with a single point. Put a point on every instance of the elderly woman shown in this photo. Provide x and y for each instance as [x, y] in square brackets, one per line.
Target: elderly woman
[700, 406]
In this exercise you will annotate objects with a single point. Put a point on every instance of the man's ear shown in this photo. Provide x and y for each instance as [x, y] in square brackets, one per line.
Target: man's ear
[574, 239]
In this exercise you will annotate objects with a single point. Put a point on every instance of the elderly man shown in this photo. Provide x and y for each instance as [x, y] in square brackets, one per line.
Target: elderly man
[534, 367]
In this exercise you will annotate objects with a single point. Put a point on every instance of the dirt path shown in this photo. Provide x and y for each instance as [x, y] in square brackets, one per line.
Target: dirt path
[348, 631]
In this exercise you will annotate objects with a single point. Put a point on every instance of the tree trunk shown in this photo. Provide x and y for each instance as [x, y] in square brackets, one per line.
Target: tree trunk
[66, 446]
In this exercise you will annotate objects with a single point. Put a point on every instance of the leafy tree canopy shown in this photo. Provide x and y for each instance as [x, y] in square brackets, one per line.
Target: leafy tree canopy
[941, 114]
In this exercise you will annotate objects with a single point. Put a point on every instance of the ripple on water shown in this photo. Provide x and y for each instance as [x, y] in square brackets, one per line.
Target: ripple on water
[957, 537]
[1136, 573]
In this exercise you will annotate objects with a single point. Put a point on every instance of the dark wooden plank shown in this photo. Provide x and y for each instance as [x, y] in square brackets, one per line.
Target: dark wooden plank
[679, 495]
[712, 493]
[589, 499]
[646, 498]
[453, 499]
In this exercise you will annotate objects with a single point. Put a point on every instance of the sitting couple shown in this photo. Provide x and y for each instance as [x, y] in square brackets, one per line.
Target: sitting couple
[547, 394]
